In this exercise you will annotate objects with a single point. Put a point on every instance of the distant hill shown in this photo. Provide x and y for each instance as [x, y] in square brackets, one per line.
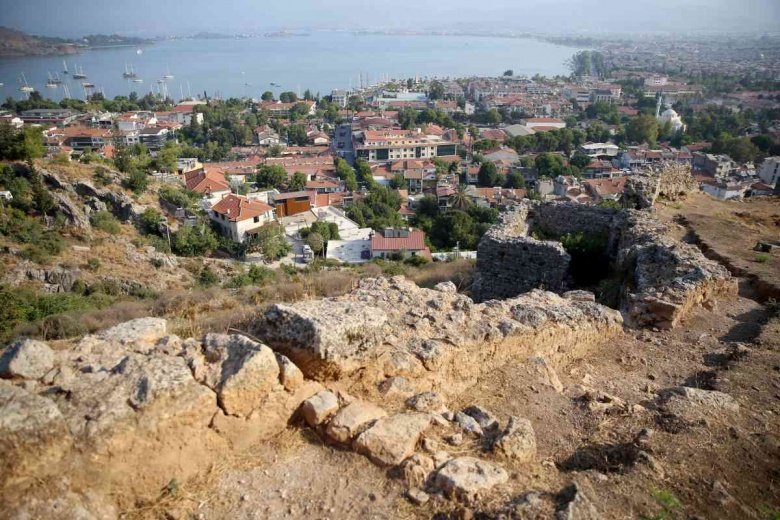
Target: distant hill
[17, 43]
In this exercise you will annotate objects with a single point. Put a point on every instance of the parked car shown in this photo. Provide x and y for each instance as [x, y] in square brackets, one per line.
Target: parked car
[340, 145]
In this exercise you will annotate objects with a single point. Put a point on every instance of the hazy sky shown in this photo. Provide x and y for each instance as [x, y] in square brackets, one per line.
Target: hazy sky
[179, 17]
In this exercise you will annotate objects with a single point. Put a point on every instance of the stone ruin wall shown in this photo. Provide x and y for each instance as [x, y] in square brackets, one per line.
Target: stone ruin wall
[664, 279]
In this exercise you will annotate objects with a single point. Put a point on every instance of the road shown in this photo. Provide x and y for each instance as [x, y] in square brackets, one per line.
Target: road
[346, 140]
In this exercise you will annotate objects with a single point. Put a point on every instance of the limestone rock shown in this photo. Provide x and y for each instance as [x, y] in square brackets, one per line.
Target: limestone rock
[518, 440]
[26, 359]
[468, 424]
[697, 399]
[464, 478]
[416, 469]
[396, 386]
[576, 506]
[446, 287]
[351, 420]
[326, 339]
[33, 432]
[392, 439]
[430, 402]
[580, 296]
[319, 407]
[417, 496]
[241, 371]
[141, 330]
[290, 376]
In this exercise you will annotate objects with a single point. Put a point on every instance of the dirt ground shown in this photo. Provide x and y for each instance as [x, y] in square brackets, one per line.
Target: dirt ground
[723, 464]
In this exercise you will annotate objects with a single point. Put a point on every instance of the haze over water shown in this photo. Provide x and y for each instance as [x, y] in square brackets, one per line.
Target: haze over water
[320, 62]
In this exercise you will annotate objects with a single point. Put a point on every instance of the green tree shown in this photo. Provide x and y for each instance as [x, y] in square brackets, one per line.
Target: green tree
[514, 180]
[297, 182]
[436, 90]
[270, 241]
[137, 181]
[492, 117]
[194, 240]
[643, 128]
[550, 165]
[316, 242]
[509, 72]
[267, 96]
[275, 150]
[461, 199]
[288, 97]
[488, 175]
[270, 176]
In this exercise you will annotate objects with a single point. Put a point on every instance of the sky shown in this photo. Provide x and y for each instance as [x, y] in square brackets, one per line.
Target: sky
[73, 18]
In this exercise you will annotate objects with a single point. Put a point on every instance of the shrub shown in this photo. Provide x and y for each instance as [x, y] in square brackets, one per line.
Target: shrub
[105, 221]
[150, 221]
[762, 258]
[93, 264]
[101, 177]
[137, 181]
[194, 241]
[207, 278]
[416, 261]
[156, 262]
[260, 275]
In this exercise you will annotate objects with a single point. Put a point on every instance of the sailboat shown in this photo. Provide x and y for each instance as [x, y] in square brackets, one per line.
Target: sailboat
[65, 67]
[139, 51]
[78, 73]
[50, 83]
[127, 73]
[26, 88]
[168, 75]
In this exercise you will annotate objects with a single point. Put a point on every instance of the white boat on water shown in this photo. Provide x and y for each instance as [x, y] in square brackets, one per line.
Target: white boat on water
[25, 88]
[78, 73]
[138, 80]
[65, 67]
[168, 75]
[51, 83]
[139, 51]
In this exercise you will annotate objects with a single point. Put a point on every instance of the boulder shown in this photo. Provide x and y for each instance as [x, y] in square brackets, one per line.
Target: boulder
[33, 432]
[464, 478]
[319, 407]
[392, 439]
[290, 376]
[429, 402]
[396, 386]
[241, 371]
[351, 420]
[517, 441]
[26, 359]
[326, 339]
[696, 399]
[73, 215]
[446, 287]
[141, 330]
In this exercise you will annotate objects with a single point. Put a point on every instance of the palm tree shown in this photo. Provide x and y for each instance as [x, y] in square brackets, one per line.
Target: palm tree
[461, 199]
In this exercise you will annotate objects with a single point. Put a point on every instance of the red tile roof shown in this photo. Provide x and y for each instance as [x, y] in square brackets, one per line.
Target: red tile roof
[414, 242]
[237, 208]
[202, 181]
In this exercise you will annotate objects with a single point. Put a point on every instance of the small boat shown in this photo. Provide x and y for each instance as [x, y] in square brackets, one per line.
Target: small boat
[127, 73]
[78, 73]
[168, 75]
[275, 84]
[65, 67]
[160, 81]
[86, 84]
[50, 83]
[25, 88]
[56, 80]
[137, 80]
[139, 51]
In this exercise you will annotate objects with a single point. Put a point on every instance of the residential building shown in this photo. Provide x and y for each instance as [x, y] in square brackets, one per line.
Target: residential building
[600, 149]
[211, 185]
[236, 216]
[279, 109]
[606, 189]
[402, 242]
[724, 190]
[340, 97]
[49, 116]
[266, 136]
[544, 122]
[291, 203]
[184, 113]
[81, 137]
[718, 166]
[153, 138]
[388, 145]
[770, 171]
[324, 186]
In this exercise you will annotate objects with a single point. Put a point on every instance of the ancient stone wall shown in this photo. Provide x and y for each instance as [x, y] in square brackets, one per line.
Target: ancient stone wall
[663, 278]
[510, 262]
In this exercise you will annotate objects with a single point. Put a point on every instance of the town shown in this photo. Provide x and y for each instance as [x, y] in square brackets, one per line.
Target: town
[411, 170]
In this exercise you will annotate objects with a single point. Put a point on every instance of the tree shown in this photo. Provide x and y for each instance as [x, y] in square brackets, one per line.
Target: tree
[269, 240]
[549, 165]
[580, 160]
[296, 135]
[20, 145]
[150, 221]
[297, 182]
[288, 97]
[514, 180]
[643, 128]
[488, 175]
[461, 199]
[267, 96]
[493, 117]
[270, 176]
[275, 150]
[509, 72]
[473, 132]
[316, 242]
[194, 240]
[436, 90]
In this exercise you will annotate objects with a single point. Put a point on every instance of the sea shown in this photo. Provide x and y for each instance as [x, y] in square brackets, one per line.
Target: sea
[247, 67]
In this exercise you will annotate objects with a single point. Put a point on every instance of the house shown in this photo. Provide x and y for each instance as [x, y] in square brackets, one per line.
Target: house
[401, 242]
[724, 190]
[600, 149]
[211, 185]
[266, 136]
[49, 116]
[80, 138]
[153, 138]
[718, 166]
[384, 145]
[518, 130]
[324, 186]
[759, 189]
[279, 109]
[236, 216]
[291, 203]
[185, 112]
[770, 171]
[340, 97]
[606, 189]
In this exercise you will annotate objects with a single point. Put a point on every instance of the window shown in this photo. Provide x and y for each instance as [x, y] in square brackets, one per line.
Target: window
[257, 219]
